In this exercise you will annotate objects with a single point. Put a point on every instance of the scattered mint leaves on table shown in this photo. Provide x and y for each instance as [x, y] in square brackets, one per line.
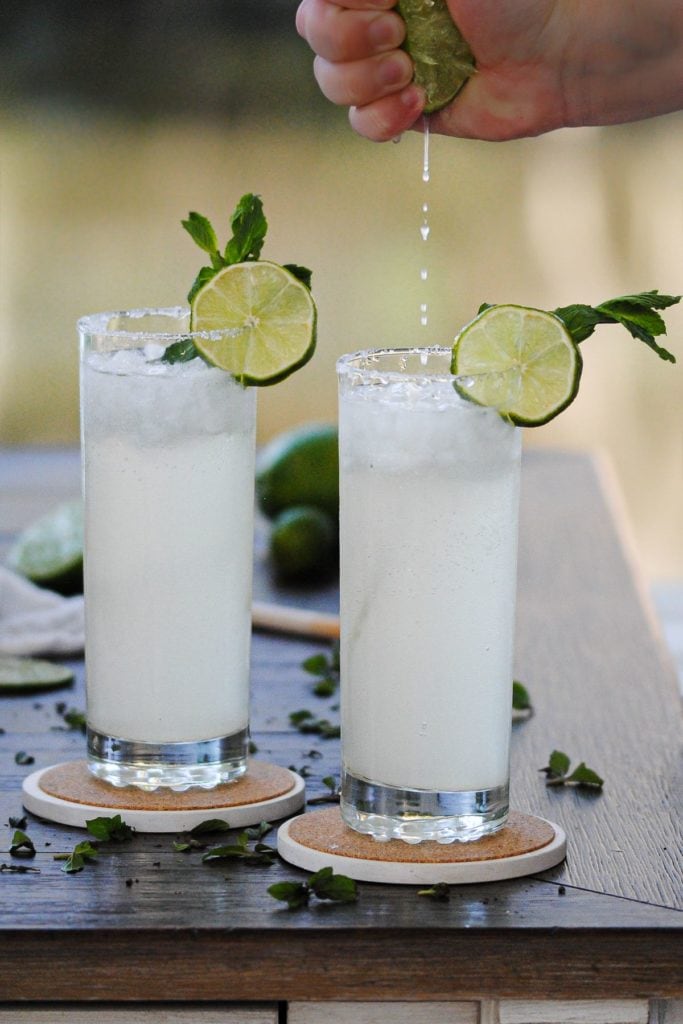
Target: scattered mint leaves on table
[326, 669]
[258, 854]
[19, 869]
[22, 758]
[558, 774]
[306, 722]
[324, 885]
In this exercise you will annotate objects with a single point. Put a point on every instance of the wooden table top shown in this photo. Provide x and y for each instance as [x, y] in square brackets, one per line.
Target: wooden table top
[149, 923]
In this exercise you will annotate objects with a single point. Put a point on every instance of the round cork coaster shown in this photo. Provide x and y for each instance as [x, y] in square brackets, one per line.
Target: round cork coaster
[69, 794]
[525, 845]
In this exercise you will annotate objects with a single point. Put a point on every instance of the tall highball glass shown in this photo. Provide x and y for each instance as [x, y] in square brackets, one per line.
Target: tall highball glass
[168, 476]
[429, 516]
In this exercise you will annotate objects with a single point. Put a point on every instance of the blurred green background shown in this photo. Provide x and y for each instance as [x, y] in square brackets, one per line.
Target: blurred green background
[118, 117]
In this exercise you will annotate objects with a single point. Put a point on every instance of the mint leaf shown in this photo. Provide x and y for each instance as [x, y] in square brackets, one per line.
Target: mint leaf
[558, 765]
[294, 894]
[204, 275]
[180, 351]
[637, 313]
[110, 829]
[302, 274]
[521, 701]
[200, 230]
[22, 845]
[316, 665]
[211, 825]
[337, 888]
[249, 227]
[583, 776]
[82, 854]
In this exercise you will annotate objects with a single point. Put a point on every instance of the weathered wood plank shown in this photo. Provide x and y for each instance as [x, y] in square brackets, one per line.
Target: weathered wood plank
[297, 965]
[576, 1011]
[227, 1013]
[382, 1013]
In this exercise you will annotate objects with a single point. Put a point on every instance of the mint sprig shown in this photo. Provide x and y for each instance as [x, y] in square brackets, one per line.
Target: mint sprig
[249, 228]
[637, 313]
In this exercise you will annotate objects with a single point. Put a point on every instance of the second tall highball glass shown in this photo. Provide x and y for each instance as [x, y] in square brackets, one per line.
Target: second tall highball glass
[429, 509]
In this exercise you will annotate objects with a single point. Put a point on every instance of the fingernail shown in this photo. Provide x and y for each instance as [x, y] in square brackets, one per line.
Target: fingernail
[385, 33]
[394, 70]
[413, 96]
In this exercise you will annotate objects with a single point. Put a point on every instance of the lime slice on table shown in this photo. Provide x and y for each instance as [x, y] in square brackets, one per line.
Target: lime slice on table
[442, 58]
[50, 551]
[272, 309]
[521, 361]
[26, 675]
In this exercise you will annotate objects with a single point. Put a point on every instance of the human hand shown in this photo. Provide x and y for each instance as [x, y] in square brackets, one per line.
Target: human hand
[542, 64]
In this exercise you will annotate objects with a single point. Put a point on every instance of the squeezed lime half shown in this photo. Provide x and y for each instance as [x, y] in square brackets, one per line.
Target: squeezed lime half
[442, 57]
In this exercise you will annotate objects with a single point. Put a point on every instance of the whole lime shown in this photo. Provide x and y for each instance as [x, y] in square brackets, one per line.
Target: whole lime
[300, 467]
[303, 543]
[50, 551]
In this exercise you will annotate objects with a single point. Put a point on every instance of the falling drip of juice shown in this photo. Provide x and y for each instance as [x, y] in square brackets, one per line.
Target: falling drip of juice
[424, 227]
[425, 150]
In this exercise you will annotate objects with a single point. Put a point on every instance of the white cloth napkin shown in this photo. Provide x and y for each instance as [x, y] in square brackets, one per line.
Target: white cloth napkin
[37, 621]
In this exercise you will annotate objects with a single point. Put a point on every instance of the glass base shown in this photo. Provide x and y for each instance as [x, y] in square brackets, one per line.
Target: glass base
[417, 815]
[176, 766]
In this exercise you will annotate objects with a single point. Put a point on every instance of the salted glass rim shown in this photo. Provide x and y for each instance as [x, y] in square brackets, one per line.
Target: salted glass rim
[98, 325]
[357, 364]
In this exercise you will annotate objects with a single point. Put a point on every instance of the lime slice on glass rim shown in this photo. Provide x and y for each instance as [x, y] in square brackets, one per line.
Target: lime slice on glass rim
[274, 313]
[522, 362]
[28, 675]
[442, 58]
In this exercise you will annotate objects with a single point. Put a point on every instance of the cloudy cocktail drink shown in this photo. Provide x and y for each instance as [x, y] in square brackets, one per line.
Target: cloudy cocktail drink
[168, 458]
[429, 500]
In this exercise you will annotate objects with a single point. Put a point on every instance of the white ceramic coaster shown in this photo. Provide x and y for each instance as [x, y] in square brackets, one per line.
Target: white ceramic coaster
[320, 839]
[67, 793]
